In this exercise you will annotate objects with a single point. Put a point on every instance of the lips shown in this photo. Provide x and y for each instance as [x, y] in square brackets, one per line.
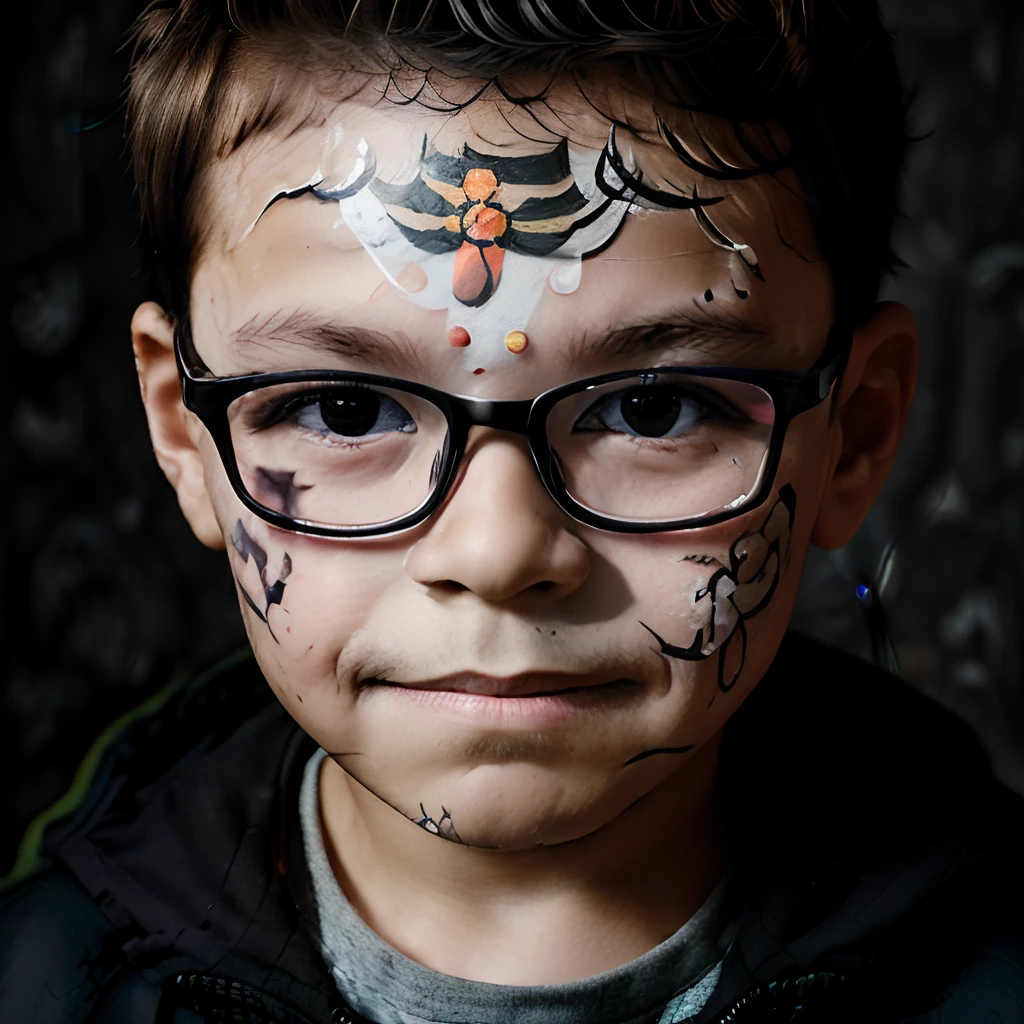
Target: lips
[529, 684]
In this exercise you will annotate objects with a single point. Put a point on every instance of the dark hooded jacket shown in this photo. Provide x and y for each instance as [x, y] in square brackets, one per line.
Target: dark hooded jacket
[880, 866]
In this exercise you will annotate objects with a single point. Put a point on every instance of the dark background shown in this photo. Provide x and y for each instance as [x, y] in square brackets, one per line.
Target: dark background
[106, 593]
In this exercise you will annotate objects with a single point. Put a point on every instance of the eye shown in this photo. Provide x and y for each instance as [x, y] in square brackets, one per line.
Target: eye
[350, 412]
[646, 412]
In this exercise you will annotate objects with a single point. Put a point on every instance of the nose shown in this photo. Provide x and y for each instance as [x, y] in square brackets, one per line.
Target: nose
[499, 533]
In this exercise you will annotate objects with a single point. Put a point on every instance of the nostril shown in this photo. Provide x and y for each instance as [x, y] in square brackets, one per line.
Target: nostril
[543, 585]
[453, 586]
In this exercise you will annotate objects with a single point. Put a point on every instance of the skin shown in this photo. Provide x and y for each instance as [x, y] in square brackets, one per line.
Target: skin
[570, 861]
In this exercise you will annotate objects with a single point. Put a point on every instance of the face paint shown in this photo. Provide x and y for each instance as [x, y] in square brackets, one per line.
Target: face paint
[516, 342]
[723, 241]
[443, 826]
[281, 486]
[738, 592]
[361, 174]
[617, 177]
[484, 237]
[489, 233]
[272, 592]
[657, 750]
[478, 235]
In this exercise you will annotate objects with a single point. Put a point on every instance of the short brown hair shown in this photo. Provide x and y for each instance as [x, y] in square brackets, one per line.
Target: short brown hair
[822, 71]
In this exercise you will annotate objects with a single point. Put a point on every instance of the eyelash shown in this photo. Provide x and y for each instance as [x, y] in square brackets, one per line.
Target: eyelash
[274, 410]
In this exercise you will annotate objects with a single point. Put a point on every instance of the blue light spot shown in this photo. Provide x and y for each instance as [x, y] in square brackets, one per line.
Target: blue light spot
[863, 593]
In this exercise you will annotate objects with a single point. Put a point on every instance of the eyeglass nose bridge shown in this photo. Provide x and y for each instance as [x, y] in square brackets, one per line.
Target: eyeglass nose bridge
[512, 415]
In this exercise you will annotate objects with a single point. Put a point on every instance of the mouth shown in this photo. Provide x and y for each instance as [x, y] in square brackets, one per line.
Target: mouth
[533, 699]
[528, 684]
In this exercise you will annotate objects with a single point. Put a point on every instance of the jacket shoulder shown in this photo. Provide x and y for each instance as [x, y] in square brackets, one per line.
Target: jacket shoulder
[990, 989]
[57, 950]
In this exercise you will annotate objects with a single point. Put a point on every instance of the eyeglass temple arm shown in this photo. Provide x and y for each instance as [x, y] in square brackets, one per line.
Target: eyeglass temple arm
[195, 369]
[830, 366]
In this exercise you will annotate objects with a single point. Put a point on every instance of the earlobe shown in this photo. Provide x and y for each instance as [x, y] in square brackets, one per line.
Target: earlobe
[870, 419]
[174, 431]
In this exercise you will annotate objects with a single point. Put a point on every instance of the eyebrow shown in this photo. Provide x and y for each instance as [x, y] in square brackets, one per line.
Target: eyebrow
[327, 334]
[694, 329]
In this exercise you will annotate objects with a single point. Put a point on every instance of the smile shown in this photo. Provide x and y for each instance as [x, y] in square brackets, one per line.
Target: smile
[527, 684]
[530, 700]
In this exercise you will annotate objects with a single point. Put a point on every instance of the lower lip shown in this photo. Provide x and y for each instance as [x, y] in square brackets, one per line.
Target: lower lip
[542, 711]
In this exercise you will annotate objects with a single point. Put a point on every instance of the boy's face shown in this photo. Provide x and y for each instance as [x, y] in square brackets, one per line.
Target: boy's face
[501, 673]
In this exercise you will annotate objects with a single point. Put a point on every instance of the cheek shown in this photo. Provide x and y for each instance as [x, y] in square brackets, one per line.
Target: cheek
[716, 602]
[333, 593]
[310, 595]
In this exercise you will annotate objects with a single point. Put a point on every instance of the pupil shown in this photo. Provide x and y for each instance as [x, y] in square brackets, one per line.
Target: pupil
[351, 412]
[650, 412]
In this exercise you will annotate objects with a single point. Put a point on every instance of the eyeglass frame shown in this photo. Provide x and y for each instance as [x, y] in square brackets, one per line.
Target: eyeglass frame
[792, 393]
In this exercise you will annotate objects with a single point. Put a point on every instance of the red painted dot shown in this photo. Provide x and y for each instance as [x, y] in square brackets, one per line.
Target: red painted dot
[479, 369]
[458, 337]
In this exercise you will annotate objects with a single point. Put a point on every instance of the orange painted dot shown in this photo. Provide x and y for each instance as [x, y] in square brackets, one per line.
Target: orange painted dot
[516, 342]
[458, 337]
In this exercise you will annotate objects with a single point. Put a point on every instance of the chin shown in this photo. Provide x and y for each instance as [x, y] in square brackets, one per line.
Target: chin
[521, 807]
[526, 831]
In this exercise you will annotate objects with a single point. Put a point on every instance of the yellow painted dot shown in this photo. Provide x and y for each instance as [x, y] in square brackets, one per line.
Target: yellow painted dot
[516, 342]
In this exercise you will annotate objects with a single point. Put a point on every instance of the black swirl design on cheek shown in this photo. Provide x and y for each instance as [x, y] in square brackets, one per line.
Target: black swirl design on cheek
[739, 591]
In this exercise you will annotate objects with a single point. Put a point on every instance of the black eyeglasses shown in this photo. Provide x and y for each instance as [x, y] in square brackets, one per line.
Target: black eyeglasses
[343, 454]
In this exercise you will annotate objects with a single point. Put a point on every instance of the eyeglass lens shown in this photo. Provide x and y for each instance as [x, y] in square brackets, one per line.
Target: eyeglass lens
[662, 447]
[653, 448]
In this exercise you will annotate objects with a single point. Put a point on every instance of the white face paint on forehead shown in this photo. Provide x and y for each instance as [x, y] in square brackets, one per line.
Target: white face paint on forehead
[483, 236]
[487, 234]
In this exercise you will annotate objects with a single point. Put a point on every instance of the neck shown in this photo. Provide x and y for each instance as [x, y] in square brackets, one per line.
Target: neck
[540, 916]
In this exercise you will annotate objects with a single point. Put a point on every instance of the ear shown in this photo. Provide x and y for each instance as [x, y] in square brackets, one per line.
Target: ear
[869, 420]
[174, 430]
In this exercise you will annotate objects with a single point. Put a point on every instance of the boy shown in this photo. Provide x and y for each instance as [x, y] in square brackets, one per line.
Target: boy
[515, 354]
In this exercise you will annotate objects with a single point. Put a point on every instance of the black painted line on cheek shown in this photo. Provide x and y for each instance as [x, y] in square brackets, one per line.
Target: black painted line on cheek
[272, 592]
[691, 653]
[657, 750]
[256, 609]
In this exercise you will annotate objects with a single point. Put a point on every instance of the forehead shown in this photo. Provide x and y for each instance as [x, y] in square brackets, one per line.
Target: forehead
[468, 234]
